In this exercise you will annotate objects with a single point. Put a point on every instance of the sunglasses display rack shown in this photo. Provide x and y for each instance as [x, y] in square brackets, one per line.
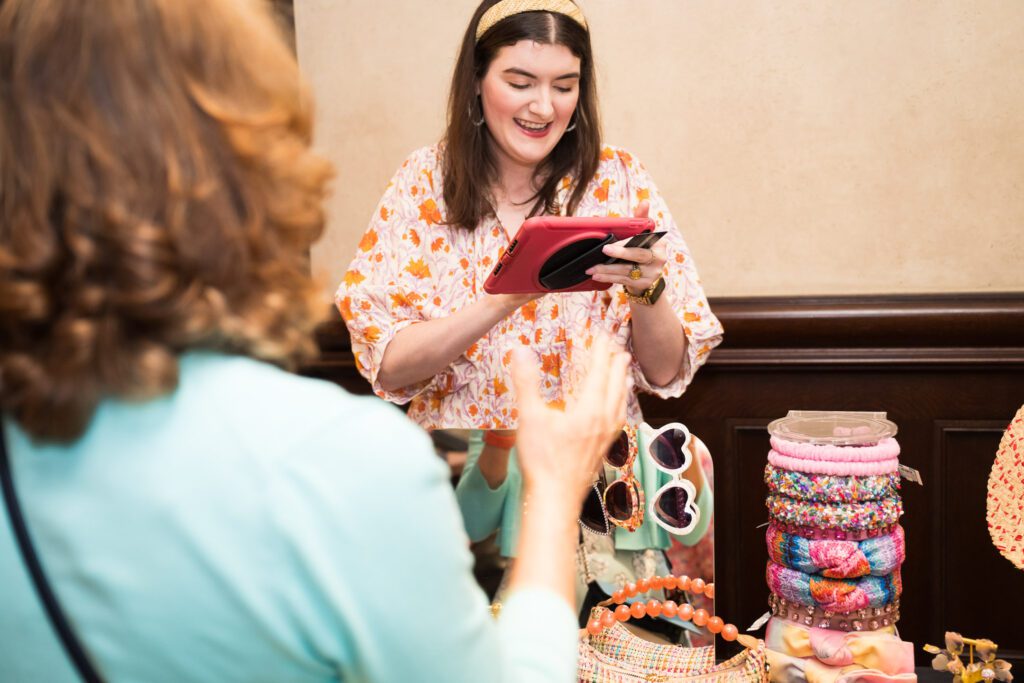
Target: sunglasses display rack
[622, 502]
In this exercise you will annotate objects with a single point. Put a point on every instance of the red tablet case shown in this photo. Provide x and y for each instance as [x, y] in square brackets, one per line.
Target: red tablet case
[543, 237]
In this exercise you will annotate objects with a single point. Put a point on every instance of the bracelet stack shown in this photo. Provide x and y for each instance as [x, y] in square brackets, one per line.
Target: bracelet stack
[835, 545]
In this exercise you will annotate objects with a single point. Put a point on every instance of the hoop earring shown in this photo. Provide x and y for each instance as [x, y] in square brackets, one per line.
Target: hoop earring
[573, 126]
[469, 111]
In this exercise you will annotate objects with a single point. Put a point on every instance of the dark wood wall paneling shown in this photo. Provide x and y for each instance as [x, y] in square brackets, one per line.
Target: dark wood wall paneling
[949, 370]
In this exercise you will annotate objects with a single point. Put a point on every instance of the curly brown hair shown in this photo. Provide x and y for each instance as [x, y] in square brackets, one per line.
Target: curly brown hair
[158, 194]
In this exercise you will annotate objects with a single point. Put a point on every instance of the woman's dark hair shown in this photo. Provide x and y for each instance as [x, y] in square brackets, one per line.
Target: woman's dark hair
[467, 158]
[158, 193]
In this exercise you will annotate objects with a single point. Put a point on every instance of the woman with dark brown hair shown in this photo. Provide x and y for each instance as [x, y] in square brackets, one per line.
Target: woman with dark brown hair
[181, 507]
[523, 139]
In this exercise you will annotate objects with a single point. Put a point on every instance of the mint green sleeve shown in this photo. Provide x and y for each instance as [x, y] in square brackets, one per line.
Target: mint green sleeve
[385, 590]
[481, 506]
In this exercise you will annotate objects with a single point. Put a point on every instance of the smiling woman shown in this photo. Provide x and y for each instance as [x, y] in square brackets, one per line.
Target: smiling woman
[523, 139]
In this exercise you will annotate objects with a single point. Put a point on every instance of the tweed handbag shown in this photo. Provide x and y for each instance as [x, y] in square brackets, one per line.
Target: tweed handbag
[617, 656]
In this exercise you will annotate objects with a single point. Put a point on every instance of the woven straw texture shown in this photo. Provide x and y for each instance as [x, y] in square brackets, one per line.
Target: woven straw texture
[506, 8]
[617, 656]
[1006, 494]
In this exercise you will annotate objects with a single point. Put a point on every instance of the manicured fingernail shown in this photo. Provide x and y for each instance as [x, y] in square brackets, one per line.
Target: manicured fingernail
[589, 271]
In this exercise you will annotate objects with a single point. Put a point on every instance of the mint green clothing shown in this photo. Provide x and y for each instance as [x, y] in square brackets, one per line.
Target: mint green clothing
[485, 509]
[254, 526]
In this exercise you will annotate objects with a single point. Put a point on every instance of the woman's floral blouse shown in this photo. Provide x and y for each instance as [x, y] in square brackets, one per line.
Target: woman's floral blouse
[410, 267]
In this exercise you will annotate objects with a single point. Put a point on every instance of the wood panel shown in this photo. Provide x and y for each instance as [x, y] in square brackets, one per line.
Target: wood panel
[949, 370]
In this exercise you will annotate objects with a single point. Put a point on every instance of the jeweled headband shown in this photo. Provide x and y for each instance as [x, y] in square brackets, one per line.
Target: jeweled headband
[506, 8]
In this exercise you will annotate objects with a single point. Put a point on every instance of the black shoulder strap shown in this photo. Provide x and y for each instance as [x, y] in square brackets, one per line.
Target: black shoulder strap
[28, 554]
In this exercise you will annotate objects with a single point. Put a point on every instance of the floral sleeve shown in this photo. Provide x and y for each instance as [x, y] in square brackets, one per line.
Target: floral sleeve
[388, 285]
[682, 285]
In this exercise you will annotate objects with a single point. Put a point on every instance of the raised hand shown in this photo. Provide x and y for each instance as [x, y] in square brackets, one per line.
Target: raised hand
[564, 448]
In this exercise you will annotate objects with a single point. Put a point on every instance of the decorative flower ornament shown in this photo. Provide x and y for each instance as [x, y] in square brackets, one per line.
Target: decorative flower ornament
[986, 669]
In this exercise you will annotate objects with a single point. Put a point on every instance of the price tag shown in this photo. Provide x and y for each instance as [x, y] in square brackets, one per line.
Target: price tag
[761, 621]
[910, 474]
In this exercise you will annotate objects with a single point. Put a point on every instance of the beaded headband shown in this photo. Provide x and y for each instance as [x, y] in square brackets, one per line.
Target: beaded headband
[507, 8]
[871, 514]
[861, 620]
[838, 534]
[831, 488]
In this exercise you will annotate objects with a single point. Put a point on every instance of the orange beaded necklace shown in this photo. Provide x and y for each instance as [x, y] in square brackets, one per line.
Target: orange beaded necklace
[601, 617]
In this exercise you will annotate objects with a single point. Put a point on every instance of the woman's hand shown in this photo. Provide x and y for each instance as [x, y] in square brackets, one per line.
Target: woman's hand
[649, 262]
[561, 451]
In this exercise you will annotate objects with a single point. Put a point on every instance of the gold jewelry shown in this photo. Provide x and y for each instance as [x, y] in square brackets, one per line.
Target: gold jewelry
[650, 295]
[507, 8]
[635, 273]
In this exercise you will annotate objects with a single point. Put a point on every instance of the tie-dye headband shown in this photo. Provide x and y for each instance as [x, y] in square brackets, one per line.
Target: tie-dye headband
[837, 596]
[788, 669]
[826, 487]
[875, 649]
[837, 559]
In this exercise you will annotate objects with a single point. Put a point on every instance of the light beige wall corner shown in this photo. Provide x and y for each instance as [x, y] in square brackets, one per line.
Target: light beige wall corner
[805, 147]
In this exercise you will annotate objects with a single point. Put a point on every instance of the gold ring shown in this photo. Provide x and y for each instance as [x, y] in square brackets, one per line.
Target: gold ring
[635, 273]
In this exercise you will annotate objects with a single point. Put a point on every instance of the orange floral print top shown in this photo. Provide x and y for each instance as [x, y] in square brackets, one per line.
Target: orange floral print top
[410, 267]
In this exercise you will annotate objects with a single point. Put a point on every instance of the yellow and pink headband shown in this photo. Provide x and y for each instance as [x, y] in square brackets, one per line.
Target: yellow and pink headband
[507, 8]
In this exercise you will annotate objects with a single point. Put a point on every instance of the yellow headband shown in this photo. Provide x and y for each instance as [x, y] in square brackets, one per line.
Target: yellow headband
[506, 8]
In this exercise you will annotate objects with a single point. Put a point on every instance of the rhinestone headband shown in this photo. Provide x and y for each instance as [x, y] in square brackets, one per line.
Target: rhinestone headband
[507, 8]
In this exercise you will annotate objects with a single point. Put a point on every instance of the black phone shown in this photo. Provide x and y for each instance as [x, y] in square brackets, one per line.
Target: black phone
[644, 240]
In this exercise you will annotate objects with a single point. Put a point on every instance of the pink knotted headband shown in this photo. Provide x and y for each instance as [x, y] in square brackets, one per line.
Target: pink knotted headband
[837, 596]
[836, 559]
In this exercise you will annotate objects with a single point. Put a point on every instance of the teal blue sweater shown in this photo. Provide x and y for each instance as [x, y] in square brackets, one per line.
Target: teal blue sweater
[258, 526]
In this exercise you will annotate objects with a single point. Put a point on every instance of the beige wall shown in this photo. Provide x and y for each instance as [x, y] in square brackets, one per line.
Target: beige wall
[804, 147]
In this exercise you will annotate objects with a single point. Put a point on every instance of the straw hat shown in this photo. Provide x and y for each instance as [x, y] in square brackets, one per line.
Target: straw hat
[1006, 494]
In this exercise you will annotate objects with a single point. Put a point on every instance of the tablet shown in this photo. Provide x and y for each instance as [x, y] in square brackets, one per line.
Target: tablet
[552, 253]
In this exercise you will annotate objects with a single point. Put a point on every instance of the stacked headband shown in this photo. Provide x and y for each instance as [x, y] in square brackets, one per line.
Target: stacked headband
[886, 449]
[788, 669]
[814, 533]
[836, 596]
[850, 517]
[837, 468]
[808, 615]
[880, 649]
[507, 8]
[827, 487]
[837, 559]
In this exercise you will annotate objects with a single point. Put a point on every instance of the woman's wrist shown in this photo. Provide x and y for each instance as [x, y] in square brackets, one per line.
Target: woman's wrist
[553, 499]
[500, 306]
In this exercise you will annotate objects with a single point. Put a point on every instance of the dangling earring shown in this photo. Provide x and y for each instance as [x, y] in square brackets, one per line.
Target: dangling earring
[469, 110]
[573, 126]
